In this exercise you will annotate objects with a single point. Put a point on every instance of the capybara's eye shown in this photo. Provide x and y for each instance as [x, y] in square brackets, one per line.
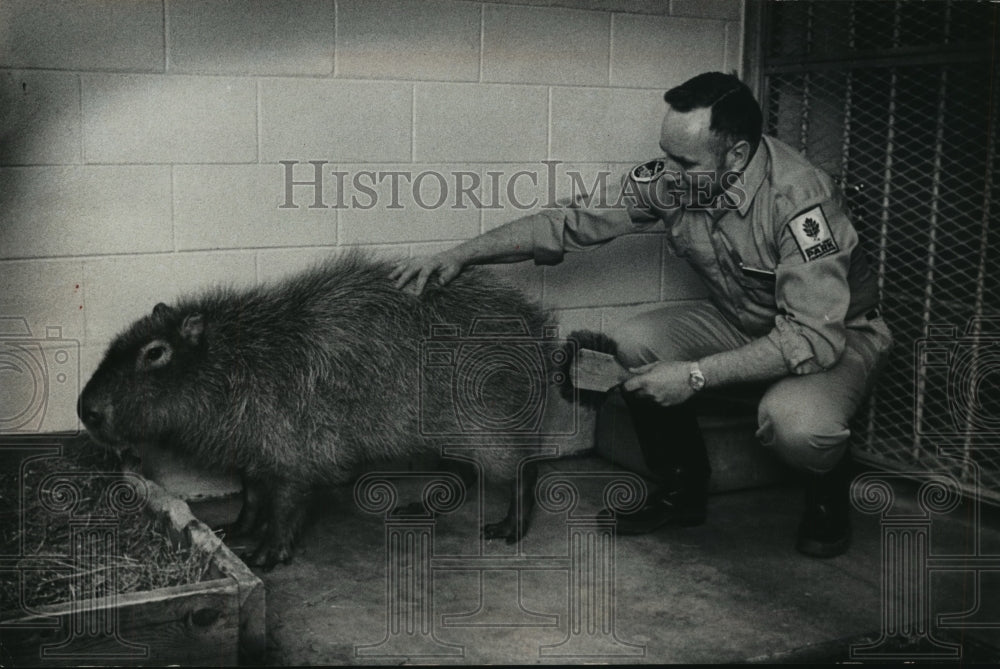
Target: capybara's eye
[154, 354]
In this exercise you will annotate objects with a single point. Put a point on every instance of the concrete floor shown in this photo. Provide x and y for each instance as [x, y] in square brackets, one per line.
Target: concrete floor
[729, 591]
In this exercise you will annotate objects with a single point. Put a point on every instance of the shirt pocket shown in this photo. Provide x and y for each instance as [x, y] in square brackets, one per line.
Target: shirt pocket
[758, 285]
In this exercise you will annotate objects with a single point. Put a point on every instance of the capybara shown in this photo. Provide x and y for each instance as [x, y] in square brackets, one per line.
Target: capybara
[298, 383]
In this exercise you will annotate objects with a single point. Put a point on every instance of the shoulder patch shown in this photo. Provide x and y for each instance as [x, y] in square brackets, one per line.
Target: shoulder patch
[812, 234]
[648, 172]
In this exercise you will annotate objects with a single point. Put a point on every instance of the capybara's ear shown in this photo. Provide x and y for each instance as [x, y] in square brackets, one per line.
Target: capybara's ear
[192, 328]
[162, 311]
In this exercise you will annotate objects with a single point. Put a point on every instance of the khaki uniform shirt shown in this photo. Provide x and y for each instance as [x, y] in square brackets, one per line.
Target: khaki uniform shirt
[781, 259]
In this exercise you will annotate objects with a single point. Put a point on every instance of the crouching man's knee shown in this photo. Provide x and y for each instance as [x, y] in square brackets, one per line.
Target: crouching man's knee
[803, 436]
[633, 339]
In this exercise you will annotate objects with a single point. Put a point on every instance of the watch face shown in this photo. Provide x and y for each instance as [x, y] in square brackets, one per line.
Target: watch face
[697, 380]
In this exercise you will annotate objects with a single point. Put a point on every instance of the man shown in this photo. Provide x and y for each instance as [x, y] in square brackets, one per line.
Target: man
[794, 303]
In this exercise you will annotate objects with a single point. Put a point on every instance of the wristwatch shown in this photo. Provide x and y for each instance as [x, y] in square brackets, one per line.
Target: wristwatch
[695, 378]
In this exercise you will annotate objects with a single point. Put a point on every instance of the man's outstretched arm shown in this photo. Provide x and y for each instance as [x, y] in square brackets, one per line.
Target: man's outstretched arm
[511, 242]
[585, 223]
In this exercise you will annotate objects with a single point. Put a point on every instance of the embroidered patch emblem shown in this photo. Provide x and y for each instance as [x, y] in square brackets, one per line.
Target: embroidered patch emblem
[812, 234]
[648, 172]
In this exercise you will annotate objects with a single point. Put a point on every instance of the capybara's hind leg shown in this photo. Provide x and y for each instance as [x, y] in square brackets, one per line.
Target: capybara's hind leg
[285, 515]
[522, 494]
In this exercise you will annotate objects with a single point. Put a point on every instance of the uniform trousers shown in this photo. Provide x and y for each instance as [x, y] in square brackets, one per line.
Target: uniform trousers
[805, 418]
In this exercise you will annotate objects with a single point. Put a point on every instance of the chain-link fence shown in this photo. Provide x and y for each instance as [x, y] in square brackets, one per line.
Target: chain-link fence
[899, 103]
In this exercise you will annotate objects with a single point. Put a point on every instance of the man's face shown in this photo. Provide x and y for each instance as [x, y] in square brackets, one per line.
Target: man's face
[690, 148]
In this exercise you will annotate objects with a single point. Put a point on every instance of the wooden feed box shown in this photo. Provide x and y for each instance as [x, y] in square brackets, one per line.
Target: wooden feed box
[219, 621]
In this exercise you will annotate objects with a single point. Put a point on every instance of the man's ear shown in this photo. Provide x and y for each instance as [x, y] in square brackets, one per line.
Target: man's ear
[738, 156]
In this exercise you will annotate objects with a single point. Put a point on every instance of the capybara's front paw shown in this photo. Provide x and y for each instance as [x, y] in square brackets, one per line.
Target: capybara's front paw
[270, 553]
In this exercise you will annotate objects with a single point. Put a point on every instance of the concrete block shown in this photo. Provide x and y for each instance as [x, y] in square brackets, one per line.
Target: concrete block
[730, 10]
[734, 48]
[82, 35]
[525, 276]
[168, 119]
[399, 39]
[511, 191]
[60, 211]
[279, 264]
[662, 52]
[41, 328]
[250, 37]
[613, 317]
[122, 289]
[545, 45]
[305, 119]
[239, 206]
[605, 125]
[586, 318]
[39, 118]
[45, 294]
[420, 206]
[626, 270]
[477, 123]
[636, 6]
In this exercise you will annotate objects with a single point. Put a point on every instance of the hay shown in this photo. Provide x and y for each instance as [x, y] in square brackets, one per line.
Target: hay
[146, 558]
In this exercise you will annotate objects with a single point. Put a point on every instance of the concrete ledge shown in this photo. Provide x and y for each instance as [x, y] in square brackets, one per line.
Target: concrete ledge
[214, 499]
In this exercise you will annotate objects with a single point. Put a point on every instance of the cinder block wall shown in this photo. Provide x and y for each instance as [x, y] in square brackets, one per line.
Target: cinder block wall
[140, 144]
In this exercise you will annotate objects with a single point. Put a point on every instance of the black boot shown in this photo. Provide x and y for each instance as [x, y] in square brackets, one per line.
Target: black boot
[673, 450]
[825, 530]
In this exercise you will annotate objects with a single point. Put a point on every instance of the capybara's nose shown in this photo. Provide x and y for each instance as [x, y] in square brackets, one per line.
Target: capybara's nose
[91, 415]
